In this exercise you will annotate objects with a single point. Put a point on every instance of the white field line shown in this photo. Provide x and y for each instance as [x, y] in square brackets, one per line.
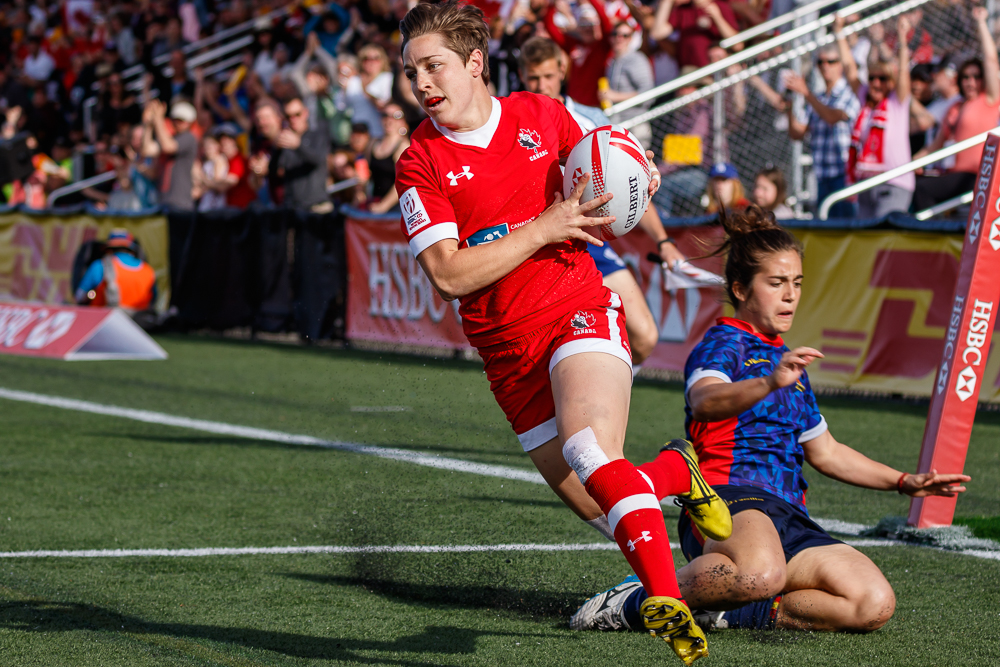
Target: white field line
[440, 462]
[220, 428]
[389, 549]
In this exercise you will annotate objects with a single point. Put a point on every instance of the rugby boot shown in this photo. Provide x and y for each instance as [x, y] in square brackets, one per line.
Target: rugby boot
[604, 610]
[671, 620]
[709, 513]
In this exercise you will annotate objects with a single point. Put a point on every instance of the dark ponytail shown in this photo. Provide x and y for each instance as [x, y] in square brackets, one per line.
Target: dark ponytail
[751, 235]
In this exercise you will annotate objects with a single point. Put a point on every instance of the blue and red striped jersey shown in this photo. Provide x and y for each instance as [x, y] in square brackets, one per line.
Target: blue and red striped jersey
[761, 447]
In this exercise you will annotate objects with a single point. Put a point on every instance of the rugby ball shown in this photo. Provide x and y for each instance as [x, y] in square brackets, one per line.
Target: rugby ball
[617, 163]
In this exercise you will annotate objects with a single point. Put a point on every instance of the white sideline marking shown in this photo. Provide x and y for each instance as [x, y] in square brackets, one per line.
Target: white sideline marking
[253, 551]
[387, 549]
[441, 462]
[842, 527]
[391, 453]
[380, 408]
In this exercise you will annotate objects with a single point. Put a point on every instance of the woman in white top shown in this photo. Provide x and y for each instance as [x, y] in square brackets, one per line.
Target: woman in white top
[367, 91]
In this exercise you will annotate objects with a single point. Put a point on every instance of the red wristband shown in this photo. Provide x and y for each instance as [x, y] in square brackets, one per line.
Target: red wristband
[899, 484]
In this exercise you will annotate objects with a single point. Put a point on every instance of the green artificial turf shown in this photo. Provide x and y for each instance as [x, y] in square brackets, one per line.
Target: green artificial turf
[73, 480]
[987, 527]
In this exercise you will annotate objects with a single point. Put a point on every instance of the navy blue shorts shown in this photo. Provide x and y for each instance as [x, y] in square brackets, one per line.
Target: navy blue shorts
[797, 531]
[606, 259]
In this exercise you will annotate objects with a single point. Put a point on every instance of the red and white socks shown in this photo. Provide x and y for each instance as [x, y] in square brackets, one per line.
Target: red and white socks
[632, 509]
[667, 474]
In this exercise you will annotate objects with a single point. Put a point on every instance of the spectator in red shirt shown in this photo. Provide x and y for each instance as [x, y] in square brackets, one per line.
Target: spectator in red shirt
[700, 24]
[589, 47]
[979, 83]
[236, 183]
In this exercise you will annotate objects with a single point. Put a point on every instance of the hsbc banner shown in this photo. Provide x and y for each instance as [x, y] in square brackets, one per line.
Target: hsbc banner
[963, 360]
[389, 298]
[73, 333]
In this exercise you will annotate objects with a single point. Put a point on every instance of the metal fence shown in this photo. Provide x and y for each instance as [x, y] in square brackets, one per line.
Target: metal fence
[731, 117]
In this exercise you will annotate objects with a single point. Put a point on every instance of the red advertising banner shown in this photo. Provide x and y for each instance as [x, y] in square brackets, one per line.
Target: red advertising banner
[73, 333]
[389, 298]
[967, 343]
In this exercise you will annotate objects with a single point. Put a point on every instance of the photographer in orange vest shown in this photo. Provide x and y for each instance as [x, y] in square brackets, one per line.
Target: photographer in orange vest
[120, 278]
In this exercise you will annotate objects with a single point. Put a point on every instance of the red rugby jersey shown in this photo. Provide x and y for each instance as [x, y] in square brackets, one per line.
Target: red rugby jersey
[476, 187]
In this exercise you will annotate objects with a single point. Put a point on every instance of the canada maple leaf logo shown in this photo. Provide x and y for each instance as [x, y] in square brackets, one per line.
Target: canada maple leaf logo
[529, 139]
[583, 320]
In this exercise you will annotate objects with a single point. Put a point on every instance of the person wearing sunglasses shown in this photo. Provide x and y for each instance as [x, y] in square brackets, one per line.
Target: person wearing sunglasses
[831, 115]
[880, 140]
[978, 112]
[294, 157]
[629, 73]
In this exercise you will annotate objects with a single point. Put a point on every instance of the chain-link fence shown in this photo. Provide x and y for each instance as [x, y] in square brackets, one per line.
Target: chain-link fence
[735, 116]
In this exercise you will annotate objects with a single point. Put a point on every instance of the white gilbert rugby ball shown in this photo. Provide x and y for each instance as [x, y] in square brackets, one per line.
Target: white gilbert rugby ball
[617, 164]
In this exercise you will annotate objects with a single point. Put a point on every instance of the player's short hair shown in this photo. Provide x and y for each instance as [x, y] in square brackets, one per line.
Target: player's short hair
[463, 28]
[538, 50]
[751, 236]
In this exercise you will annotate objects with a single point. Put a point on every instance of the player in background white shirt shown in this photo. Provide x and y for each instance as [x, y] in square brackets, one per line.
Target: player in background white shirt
[543, 70]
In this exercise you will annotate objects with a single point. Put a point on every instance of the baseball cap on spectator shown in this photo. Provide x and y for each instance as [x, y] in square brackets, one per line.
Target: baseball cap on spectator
[120, 238]
[183, 111]
[723, 170]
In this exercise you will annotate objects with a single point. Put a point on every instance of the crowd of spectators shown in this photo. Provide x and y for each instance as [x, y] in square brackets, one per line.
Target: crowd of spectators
[318, 98]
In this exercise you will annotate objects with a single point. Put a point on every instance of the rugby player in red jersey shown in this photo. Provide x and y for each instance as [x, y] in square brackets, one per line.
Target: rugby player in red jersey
[479, 188]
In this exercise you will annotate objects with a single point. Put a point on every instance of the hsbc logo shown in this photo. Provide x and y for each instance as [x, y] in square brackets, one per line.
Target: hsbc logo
[975, 339]
[995, 234]
[965, 386]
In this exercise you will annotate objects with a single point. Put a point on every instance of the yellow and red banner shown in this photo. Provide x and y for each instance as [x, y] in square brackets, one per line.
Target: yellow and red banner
[877, 303]
[37, 252]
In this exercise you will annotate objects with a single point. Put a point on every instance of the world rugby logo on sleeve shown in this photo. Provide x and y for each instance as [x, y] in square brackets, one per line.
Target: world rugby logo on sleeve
[414, 214]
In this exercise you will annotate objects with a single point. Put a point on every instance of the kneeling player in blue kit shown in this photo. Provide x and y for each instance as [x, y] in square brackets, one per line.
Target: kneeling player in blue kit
[752, 418]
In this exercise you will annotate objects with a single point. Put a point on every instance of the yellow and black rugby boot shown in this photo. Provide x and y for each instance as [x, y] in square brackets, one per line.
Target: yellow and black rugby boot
[671, 620]
[709, 513]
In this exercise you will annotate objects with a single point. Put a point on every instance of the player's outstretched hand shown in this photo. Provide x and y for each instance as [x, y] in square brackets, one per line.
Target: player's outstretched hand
[790, 367]
[933, 484]
[566, 218]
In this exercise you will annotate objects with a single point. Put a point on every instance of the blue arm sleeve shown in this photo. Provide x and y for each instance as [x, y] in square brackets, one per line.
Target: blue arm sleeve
[310, 25]
[92, 278]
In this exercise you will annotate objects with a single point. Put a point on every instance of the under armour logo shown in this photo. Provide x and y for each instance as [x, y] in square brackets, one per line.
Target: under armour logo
[465, 172]
[642, 538]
